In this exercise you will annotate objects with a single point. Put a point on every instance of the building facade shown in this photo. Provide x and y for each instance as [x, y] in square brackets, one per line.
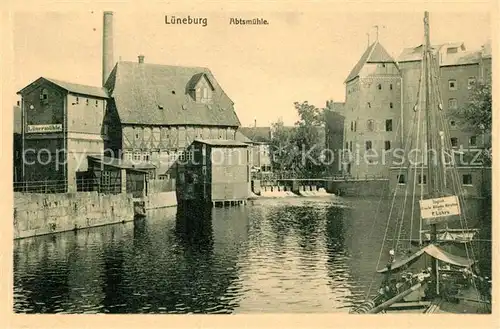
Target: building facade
[259, 139]
[381, 95]
[334, 137]
[61, 126]
[459, 70]
[372, 113]
[143, 118]
[156, 111]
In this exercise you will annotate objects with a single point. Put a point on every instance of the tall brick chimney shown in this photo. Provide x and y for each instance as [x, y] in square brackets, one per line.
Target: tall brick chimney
[107, 45]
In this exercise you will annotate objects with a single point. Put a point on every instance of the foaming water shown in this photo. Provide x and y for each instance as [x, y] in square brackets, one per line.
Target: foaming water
[295, 255]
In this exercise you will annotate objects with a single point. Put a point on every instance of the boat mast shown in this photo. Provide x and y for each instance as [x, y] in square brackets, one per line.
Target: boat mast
[431, 162]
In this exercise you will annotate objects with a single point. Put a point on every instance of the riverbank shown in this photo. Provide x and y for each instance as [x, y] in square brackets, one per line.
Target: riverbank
[39, 213]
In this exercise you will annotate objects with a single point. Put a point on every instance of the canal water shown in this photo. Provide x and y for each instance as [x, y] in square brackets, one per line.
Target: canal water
[292, 255]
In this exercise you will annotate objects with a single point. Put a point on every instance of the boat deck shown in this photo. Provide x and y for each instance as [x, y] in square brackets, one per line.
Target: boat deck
[468, 302]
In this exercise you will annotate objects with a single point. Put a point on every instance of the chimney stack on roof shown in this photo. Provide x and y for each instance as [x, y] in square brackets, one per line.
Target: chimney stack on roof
[107, 45]
[141, 59]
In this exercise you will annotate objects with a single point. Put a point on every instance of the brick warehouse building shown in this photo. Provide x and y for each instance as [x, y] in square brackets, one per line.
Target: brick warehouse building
[144, 116]
[372, 110]
[381, 94]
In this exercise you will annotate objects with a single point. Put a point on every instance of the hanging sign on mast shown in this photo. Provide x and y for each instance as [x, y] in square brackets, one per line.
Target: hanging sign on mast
[439, 207]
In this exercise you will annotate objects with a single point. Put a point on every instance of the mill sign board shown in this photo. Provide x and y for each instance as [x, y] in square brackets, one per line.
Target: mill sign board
[433, 210]
[51, 128]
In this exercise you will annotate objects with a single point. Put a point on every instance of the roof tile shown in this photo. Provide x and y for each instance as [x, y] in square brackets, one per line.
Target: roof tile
[159, 94]
[375, 53]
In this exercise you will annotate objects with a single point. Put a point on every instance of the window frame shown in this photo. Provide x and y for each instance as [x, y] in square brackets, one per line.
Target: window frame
[452, 103]
[388, 124]
[469, 84]
[421, 181]
[455, 85]
[464, 183]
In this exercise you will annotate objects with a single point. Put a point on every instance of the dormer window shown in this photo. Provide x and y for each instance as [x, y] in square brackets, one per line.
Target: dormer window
[452, 50]
[201, 88]
[206, 94]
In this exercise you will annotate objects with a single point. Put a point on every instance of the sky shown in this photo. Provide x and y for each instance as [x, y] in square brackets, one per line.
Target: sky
[299, 56]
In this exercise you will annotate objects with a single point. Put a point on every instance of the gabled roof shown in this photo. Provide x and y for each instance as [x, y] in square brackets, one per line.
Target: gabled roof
[242, 138]
[196, 78]
[415, 53]
[256, 134]
[463, 58]
[375, 53]
[154, 94]
[70, 87]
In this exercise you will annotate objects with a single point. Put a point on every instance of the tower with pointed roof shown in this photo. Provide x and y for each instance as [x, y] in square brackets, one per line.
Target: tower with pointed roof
[372, 113]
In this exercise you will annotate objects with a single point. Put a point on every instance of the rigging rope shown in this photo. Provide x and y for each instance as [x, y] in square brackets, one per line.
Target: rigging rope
[421, 164]
[387, 226]
[410, 140]
[455, 178]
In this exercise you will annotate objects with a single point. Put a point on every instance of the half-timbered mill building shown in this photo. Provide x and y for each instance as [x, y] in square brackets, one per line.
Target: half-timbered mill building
[156, 111]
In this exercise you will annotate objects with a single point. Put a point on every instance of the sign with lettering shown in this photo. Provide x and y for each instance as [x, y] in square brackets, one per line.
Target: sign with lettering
[439, 207]
[44, 128]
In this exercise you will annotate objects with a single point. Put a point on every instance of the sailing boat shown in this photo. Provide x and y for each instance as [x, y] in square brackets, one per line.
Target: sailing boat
[451, 283]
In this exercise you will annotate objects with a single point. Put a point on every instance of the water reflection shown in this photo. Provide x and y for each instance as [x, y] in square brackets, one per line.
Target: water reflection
[193, 229]
[297, 255]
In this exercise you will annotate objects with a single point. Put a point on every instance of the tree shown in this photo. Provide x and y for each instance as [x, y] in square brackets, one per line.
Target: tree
[299, 148]
[281, 146]
[476, 115]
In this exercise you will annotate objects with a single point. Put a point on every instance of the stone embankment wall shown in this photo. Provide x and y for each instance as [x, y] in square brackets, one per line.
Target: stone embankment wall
[160, 200]
[161, 194]
[38, 214]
